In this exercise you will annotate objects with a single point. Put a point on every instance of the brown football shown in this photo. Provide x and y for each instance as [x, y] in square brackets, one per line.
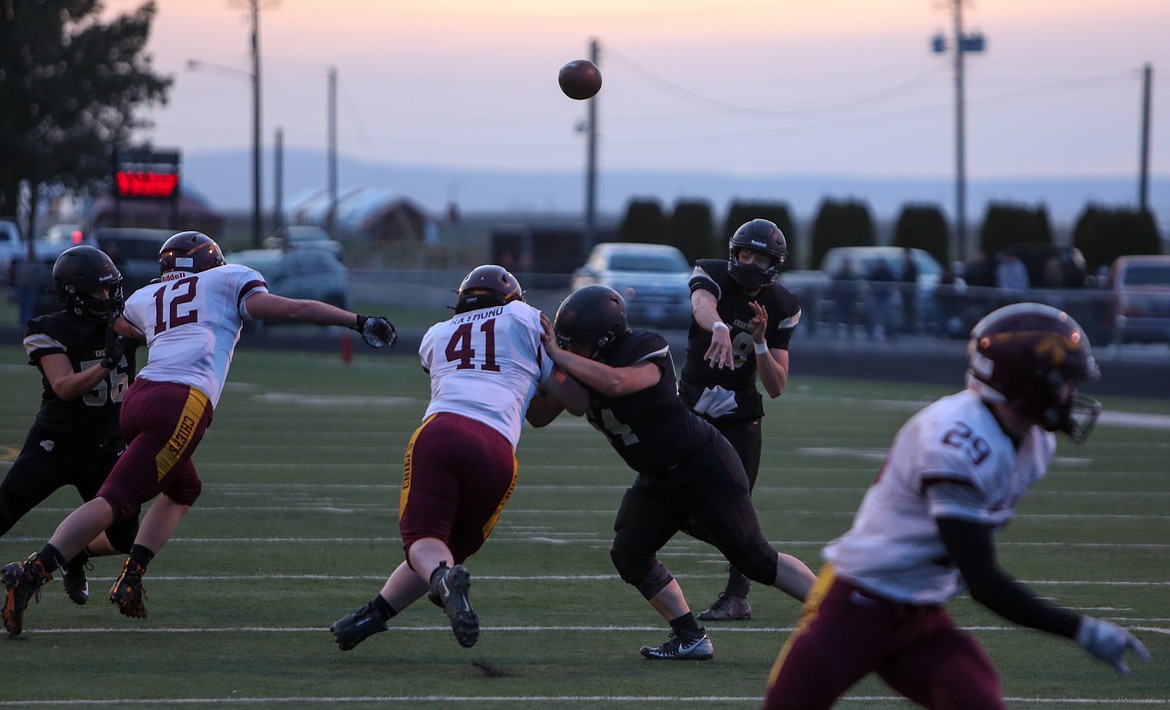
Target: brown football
[580, 79]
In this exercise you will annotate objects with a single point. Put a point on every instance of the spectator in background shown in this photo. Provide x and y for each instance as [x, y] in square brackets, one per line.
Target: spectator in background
[909, 291]
[1011, 275]
[948, 301]
[881, 285]
[979, 271]
[847, 289]
[1053, 275]
[31, 279]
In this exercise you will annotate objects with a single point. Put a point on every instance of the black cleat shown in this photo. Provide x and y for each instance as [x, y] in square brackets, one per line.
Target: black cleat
[693, 646]
[22, 581]
[74, 580]
[450, 588]
[352, 629]
[727, 608]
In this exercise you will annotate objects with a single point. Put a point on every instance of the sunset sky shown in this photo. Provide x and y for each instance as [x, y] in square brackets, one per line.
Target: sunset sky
[741, 86]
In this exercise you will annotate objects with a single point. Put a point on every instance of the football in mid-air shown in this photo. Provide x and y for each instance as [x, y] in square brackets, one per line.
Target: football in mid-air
[580, 79]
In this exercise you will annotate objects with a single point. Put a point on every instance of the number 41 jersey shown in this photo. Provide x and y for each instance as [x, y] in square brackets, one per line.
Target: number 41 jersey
[192, 323]
[486, 364]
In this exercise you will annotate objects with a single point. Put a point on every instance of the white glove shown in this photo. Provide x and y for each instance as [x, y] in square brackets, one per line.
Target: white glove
[715, 402]
[1108, 642]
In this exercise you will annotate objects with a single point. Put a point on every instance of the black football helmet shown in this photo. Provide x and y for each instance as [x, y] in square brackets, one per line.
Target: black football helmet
[593, 315]
[80, 269]
[1024, 354]
[487, 286]
[762, 236]
[189, 252]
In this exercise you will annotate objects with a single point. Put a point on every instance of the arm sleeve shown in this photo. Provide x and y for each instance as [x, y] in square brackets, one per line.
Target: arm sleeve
[701, 281]
[972, 550]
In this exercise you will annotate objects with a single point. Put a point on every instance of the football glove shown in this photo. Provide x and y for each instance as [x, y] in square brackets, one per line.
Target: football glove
[1108, 642]
[115, 348]
[376, 331]
[716, 402]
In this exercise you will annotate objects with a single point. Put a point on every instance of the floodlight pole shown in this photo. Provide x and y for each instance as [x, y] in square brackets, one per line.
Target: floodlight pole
[960, 45]
[331, 218]
[591, 159]
[254, 8]
[960, 139]
[1144, 159]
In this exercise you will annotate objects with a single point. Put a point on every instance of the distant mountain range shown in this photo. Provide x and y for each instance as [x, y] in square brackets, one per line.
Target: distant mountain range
[225, 178]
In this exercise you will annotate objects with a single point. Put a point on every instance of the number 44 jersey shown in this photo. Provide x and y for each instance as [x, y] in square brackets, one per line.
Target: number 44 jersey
[951, 460]
[192, 323]
[486, 365]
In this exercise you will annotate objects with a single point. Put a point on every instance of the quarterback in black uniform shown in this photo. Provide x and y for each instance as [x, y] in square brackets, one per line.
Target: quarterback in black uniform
[86, 369]
[688, 476]
[741, 323]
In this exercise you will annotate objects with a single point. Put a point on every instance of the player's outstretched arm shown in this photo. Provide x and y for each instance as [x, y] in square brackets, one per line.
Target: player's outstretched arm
[375, 330]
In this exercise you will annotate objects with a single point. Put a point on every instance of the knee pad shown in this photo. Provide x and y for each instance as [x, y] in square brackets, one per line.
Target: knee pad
[642, 571]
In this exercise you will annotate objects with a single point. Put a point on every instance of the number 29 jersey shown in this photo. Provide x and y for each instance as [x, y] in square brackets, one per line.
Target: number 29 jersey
[192, 324]
[894, 548]
[486, 365]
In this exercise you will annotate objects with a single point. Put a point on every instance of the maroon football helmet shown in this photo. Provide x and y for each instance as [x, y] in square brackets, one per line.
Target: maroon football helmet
[1024, 355]
[189, 252]
[487, 286]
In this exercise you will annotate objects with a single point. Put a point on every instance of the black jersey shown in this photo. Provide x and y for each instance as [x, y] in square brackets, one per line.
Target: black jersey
[93, 417]
[783, 308]
[652, 430]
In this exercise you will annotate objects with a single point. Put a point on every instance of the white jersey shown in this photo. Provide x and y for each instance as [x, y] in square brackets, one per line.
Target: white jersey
[894, 548]
[192, 323]
[486, 364]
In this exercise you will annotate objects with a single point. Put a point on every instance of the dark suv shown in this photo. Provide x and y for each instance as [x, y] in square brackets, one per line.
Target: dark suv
[135, 252]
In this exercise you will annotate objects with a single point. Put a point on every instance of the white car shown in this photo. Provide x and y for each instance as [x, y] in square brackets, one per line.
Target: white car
[11, 244]
[652, 278]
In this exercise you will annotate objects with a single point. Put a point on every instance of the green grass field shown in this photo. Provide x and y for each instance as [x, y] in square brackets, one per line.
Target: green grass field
[297, 526]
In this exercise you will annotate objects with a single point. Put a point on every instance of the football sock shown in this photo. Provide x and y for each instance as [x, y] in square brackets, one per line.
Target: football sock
[141, 555]
[83, 556]
[685, 623]
[737, 584]
[441, 569]
[383, 607]
[50, 557]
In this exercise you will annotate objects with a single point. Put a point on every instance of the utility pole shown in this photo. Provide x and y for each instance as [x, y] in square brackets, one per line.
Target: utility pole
[254, 9]
[960, 44]
[1144, 168]
[591, 159]
[278, 181]
[332, 123]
